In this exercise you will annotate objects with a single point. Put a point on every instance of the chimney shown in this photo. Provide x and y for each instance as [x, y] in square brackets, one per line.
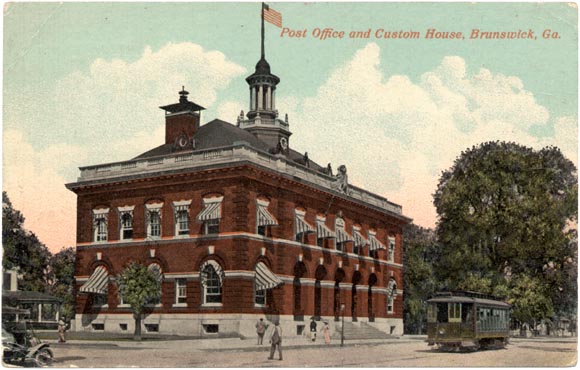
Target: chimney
[181, 120]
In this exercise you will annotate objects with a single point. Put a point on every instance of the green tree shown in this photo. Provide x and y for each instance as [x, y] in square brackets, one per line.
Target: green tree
[530, 299]
[61, 280]
[504, 210]
[22, 250]
[421, 253]
[137, 286]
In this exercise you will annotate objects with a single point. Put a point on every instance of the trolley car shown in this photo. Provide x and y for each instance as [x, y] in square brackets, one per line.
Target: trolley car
[467, 320]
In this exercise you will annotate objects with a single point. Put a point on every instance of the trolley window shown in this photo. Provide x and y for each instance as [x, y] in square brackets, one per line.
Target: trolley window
[454, 312]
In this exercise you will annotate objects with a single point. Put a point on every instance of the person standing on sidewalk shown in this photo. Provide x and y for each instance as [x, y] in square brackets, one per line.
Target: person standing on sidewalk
[276, 341]
[61, 331]
[326, 332]
[261, 330]
[312, 329]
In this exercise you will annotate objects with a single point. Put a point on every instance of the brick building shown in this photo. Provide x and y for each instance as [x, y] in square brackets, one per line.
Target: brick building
[238, 226]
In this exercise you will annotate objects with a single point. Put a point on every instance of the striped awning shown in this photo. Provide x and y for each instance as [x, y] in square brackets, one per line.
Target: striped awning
[265, 218]
[211, 211]
[302, 226]
[359, 240]
[375, 244]
[322, 231]
[217, 268]
[342, 236]
[97, 283]
[265, 279]
[156, 269]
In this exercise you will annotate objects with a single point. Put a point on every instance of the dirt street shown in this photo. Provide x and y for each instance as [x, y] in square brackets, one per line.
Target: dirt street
[543, 352]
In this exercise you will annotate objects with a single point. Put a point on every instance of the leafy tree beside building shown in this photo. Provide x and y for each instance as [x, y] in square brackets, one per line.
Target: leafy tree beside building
[137, 287]
[505, 213]
[22, 251]
[421, 254]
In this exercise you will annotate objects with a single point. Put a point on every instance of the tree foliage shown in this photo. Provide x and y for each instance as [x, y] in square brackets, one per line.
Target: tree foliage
[61, 280]
[22, 250]
[421, 252]
[137, 286]
[504, 213]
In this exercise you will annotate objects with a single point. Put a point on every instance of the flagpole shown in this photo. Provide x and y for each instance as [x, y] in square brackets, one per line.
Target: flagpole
[263, 53]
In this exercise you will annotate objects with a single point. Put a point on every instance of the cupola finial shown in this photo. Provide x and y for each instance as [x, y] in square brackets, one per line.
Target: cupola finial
[183, 95]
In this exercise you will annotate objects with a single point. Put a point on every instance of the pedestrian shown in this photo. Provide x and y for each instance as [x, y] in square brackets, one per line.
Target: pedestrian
[276, 341]
[326, 332]
[312, 329]
[261, 330]
[61, 331]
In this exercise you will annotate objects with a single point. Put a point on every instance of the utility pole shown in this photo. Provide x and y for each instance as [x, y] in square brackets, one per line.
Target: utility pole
[342, 329]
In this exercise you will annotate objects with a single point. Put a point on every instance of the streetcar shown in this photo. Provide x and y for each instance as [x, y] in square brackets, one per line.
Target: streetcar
[469, 320]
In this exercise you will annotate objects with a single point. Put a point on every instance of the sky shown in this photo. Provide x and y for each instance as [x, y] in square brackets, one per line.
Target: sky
[83, 83]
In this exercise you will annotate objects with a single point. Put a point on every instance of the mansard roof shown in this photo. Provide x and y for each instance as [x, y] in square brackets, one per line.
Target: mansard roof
[218, 133]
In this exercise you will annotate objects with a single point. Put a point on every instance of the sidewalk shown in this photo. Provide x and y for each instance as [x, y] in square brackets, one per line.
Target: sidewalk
[229, 344]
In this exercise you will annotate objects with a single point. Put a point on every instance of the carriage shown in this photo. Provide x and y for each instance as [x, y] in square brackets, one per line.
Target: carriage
[467, 320]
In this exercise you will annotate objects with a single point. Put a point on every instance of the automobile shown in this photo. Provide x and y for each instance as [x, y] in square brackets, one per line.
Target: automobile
[20, 345]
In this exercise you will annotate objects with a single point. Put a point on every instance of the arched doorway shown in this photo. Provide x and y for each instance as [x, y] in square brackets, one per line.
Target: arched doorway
[371, 312]
[319, 276]
[356, 277]
[299, 272]
[338, 277]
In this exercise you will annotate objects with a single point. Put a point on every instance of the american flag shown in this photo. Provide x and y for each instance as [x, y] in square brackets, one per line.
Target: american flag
[272, 16]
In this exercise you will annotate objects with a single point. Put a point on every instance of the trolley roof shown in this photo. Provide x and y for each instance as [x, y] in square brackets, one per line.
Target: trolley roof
[468, 297]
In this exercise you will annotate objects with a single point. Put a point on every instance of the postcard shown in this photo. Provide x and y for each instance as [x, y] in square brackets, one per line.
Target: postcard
[290, 184]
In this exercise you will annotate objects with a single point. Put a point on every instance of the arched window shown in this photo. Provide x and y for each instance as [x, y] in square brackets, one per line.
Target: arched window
[153, 220]
[211, 281]
[126, 226]
[100, 229]
[100, 224]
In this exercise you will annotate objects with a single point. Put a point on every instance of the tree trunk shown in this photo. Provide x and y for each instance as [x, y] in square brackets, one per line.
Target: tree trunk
[137, 334]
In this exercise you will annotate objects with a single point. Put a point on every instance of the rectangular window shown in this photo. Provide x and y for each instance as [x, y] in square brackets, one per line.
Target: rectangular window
[99, 299]
[180, 291]
[152, 328]
[454, 312]
[101, 230]
[391, 250]
[126, 226]
[374, 254]
[182, 222]
[390, 305]
[260, 297]
[341, 247]
[263, 230]
[320, 242]
[212, 226]
[154, 227]
[98, 327]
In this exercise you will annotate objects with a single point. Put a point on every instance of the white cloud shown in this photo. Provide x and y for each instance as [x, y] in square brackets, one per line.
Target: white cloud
[107, 113]
[396, 135]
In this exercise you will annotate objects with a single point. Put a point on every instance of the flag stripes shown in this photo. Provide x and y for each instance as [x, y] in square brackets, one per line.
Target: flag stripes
[272, 16]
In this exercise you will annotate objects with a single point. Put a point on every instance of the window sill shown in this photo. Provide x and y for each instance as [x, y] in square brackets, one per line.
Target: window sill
[212, 305]
[183, 236]
[100, 306]
[257, 305]
[179, 305]
[124, 305]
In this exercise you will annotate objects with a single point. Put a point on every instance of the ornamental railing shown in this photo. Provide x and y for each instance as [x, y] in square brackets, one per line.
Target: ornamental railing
[227, 155]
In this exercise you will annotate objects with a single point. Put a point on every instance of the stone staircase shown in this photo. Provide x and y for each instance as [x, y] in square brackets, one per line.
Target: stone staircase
[360, 330]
